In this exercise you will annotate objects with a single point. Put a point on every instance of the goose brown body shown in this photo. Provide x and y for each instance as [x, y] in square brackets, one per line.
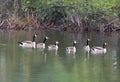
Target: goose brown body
[86, 48]
[28, 44]
[42, 45]
[71, 49]
[53, 46]
[98, 49]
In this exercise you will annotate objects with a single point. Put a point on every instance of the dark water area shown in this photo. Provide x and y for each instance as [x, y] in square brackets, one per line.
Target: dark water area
[33, 65]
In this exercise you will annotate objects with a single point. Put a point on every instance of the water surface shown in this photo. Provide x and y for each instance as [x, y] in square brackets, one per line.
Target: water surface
[33, 65]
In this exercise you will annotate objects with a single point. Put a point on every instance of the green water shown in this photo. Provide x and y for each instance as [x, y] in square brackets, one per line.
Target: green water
[33, 65]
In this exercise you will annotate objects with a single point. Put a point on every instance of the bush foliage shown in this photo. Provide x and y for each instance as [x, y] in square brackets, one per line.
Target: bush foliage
[85, 14]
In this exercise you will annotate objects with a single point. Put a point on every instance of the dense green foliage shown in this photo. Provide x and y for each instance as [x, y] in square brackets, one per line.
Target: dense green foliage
[81, 6]
[46, 8]
[79, 13]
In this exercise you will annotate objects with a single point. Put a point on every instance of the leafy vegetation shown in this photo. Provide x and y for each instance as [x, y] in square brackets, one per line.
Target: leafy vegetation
[74, 14]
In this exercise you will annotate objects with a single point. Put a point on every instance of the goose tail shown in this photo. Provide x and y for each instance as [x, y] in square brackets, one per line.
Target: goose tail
[20, 43]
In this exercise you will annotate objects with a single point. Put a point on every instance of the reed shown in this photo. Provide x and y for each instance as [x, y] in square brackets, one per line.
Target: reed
[16, 22]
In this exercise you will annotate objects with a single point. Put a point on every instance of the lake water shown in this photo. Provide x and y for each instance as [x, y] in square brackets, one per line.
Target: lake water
[33, 65]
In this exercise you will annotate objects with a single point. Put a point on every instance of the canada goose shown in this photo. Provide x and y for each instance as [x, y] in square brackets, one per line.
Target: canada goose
[29, 44]
[99, 50]
[71, 49]
[42, 45]
[86, 48]
[54, 46]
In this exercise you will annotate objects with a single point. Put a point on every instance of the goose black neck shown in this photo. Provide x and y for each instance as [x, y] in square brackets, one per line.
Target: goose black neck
[104, 46]
[74, 44]
[44, 40]
[33, 39]
[56, 44]
[87, 43]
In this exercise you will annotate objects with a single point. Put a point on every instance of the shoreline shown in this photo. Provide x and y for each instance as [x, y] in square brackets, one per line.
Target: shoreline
[38, 25]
